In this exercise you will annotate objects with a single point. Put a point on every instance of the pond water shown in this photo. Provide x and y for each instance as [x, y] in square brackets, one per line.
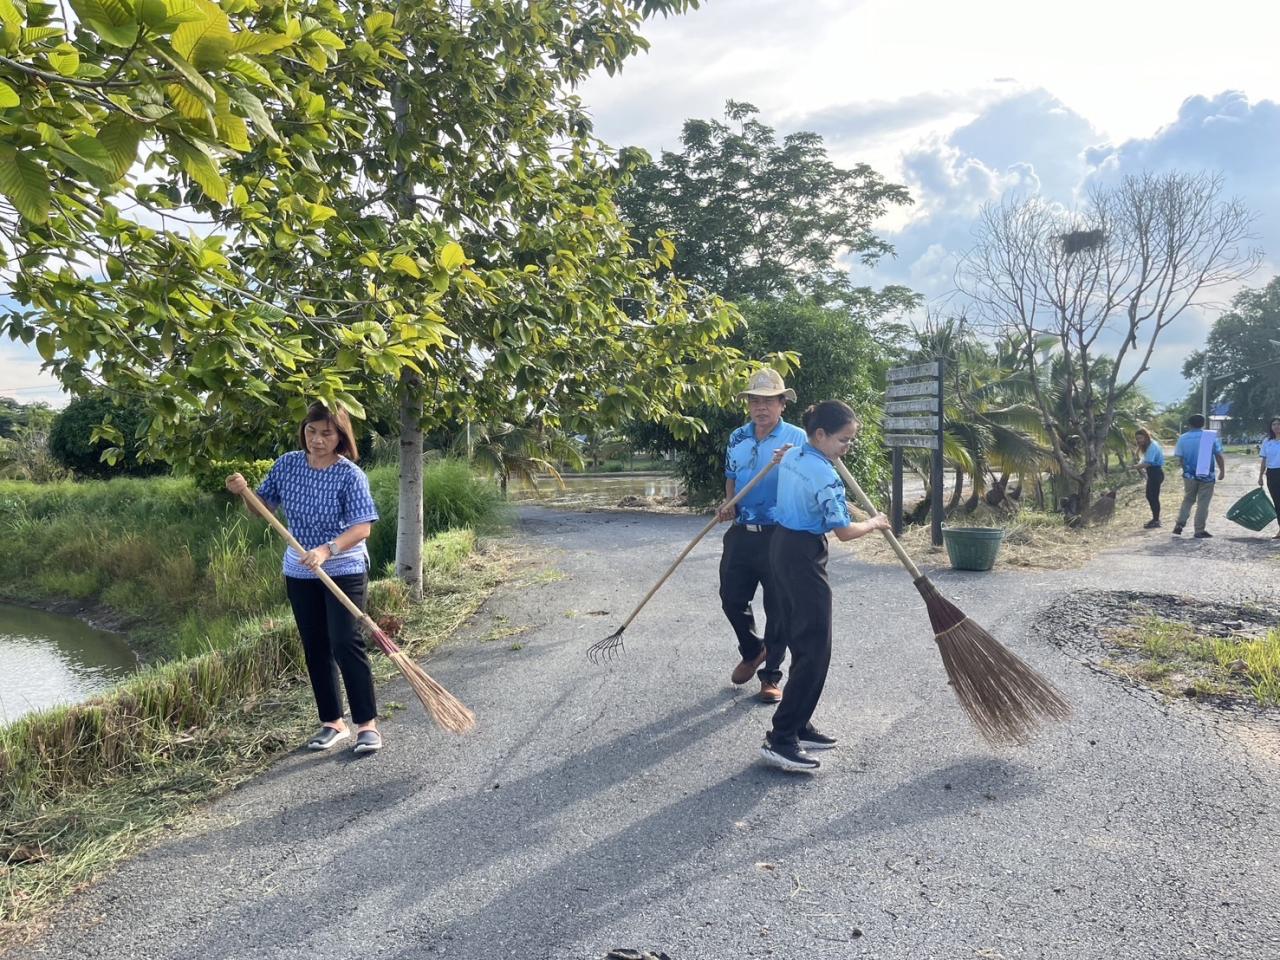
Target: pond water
[596, 490]
[46, 659]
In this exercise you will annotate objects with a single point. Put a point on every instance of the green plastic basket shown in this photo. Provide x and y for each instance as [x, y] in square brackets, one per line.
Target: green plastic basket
[1254, 510]
[972, 548]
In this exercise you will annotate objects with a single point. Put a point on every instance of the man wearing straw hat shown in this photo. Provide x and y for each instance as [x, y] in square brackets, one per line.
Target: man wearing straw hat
[744, 565]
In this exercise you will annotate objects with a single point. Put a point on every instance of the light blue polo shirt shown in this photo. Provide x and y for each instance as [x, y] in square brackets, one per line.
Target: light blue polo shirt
[1271, 453]
[746, 456]
[811, 495]
[1188, 449]
[319, 505]
[1154, 455]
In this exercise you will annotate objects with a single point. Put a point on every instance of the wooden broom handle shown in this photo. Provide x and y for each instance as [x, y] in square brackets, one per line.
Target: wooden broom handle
[865, 503]
[259, 507]
[694, 542]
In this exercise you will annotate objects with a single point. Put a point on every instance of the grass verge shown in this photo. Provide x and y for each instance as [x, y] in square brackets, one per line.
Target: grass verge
[1178, 661]
[82, 787]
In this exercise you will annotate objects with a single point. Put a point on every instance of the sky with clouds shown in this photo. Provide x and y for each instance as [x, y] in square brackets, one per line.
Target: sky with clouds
[962, 102]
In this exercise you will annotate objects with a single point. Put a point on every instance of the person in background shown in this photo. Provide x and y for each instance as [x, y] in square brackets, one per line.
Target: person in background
[811, 504]
[744, 564]
[1197, 487]
[330, 511]
[1269, 467]
[1151, 461]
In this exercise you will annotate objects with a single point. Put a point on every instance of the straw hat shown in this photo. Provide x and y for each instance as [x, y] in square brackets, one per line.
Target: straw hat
[767, 382]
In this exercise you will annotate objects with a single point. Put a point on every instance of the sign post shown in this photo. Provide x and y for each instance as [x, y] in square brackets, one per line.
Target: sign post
[913, 404]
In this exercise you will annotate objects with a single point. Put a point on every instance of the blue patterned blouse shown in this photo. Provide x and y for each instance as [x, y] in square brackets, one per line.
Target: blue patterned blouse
[811, 495]
[318, 506]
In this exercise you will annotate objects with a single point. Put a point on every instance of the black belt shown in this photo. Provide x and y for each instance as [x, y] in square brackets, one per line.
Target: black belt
[757, 527]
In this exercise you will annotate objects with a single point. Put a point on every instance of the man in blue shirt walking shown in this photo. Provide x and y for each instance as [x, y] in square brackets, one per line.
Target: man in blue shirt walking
[1197, 478]
[744, 564]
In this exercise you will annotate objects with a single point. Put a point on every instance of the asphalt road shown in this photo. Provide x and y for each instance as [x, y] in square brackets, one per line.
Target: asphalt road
[625, 806]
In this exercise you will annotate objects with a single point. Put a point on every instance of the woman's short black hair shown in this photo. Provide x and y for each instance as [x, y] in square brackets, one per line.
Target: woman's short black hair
[341, 423]
[829, 416]
[1271, 428]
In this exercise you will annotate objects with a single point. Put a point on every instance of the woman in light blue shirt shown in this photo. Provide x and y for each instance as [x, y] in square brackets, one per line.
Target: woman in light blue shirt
[1151, 459]
[811, 503]
[1270, 465]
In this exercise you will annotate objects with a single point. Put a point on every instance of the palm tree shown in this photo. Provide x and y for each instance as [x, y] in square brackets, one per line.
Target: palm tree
[524, 451]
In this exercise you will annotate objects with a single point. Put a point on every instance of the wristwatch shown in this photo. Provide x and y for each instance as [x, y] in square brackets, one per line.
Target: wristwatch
[333, 548]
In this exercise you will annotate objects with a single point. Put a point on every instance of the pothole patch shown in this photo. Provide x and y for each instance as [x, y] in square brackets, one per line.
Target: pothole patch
[1221, 655]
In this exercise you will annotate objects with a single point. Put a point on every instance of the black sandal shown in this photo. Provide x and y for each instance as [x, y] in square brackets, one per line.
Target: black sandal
[326, 737]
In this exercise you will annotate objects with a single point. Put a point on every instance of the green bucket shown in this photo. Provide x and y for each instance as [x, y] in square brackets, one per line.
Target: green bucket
[972, 548]
[1253, 510]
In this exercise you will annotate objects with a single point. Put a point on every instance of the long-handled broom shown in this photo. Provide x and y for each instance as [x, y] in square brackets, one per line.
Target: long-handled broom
[1004, 697]
[612, 644]
[445, 709]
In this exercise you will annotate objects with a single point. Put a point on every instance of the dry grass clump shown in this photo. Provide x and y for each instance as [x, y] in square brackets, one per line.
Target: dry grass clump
[1035, 539]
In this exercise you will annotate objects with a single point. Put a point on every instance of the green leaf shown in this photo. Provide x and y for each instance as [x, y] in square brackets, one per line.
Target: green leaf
[65, 59]
[187, 103]
[25, 183]
[248, 42]
[406, 264]
[120, 137]
[452, 256]
[201, 168]
[189, 73]
[46, 345]
[8, 96]
[253, 107]
[115, 21]
[10, 16]
[33, 35]
[206, 43]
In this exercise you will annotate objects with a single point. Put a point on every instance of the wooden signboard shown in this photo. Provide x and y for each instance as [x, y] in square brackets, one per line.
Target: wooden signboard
[921, 384]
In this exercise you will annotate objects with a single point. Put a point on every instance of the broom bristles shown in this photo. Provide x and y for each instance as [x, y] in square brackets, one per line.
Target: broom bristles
[1006, 700]
[445, 709]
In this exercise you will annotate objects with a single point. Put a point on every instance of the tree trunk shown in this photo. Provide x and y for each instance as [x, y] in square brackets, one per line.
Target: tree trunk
[956, 491]
[409, 520]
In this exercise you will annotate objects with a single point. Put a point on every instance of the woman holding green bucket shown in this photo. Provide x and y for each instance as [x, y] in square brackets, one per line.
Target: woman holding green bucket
[1269, 467]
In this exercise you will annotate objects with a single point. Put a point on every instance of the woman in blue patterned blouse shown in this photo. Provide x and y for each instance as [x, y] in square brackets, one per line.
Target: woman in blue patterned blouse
[330, 511]
[811, 504]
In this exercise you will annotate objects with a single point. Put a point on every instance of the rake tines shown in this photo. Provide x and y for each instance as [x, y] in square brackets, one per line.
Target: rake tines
[606, 649]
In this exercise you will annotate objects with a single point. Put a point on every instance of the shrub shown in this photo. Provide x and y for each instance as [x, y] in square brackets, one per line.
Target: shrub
[72, 445]
[211, 476]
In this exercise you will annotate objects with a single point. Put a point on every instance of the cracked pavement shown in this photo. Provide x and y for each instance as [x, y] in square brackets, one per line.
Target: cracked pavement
[624, 806]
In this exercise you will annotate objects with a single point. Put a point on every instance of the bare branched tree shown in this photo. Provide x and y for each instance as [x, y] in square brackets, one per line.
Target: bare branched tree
[1104, 282]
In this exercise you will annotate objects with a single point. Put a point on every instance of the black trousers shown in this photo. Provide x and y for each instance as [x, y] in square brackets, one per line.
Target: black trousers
[1273, 487]
[1155, 479]
[744, 565]
[332, 643]
[800, 574]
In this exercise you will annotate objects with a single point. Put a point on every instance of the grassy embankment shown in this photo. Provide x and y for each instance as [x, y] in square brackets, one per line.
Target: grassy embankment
[83, 785]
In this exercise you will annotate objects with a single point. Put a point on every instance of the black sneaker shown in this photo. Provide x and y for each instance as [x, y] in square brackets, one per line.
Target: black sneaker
[326, 737]
[1203, 534]
[1177, 531]
[793, 759]
[812, 739]
[1151, 525]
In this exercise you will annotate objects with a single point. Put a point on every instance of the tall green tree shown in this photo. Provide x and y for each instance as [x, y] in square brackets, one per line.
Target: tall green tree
[1242, 345]
[771, 225]
[436, 226]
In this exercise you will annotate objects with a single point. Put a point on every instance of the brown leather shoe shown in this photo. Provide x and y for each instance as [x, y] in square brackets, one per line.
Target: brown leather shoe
[747, 668]
[770, 692]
